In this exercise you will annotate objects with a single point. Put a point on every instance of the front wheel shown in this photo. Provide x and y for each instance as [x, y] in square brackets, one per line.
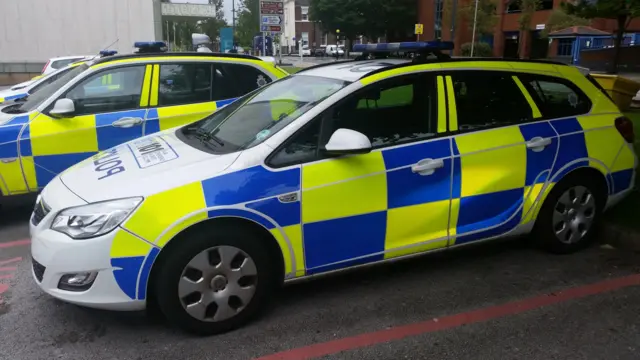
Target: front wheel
[214, 283]
[568, 218]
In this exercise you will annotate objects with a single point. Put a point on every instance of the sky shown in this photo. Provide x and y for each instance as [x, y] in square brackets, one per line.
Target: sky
[227, 6]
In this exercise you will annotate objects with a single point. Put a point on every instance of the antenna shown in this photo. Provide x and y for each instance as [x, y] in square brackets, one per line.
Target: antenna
[110, 45]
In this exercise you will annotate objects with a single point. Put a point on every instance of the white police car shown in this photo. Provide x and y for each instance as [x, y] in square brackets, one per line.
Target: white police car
[339, 165]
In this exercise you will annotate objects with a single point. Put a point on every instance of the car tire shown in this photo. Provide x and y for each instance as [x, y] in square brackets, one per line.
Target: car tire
[569, 217]
[179, 273]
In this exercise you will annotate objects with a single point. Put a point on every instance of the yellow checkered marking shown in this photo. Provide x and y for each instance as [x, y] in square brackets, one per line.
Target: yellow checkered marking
[13, 182]
[453, 113]
[127, 245]
[501, 168]
[51, 136]
[358, 184]
[294, 234]
[155, 84]
[453, 220]
[172, 116]
[406, 227]
[442, 106]
[535, 196]
[146, 85]
[161, 210]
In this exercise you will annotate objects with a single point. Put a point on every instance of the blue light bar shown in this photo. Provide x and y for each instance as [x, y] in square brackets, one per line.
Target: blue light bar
[108, 52]
[413, 46]
[150, 46]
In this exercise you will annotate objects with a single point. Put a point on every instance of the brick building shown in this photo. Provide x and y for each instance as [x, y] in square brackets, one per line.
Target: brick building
[506, 38]
[311, 32]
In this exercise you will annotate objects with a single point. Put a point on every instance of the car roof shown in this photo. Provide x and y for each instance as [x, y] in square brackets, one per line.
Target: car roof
[351, 70]
[70, 57]
[160, 55]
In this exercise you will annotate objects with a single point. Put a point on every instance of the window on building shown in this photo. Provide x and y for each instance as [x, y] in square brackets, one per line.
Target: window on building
[184, 84]
[234, 80]
[305, 38]
[546, 5]
[304, 11]
[488, 99]
[556, 97]
[565, 47]
[438, 20]
[513, 7]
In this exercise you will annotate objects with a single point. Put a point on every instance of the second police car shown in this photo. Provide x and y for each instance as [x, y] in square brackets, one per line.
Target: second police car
[104, 102]
[340, 165]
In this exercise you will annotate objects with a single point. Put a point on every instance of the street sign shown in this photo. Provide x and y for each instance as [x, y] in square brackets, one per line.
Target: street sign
[272, 19]
[271, 28]
[418, 29]
[271, 15]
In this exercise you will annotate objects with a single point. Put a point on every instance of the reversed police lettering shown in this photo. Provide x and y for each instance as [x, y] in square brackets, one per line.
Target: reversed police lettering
[109, 163]
[146, 149]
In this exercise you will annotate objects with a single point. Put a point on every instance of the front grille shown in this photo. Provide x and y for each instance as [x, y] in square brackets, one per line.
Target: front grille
[39, 212]
[38, 270]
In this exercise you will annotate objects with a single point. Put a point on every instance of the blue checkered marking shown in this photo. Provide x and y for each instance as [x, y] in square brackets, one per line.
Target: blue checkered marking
[406, 188]
[145, 272]
[249, 184]
[244, 214]
[327, 242]
[622, 180]
[48, 166]
[539, 162]
[110, 136]
[284, 214]
[483, 211]
[8, 140]
[571, 148]
[152, 123]
[126, 270]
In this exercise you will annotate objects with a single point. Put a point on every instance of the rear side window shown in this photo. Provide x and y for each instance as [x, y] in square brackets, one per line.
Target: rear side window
[556, 97]
[234, 80]
[486, 99]
[59, 64]
[184, 84]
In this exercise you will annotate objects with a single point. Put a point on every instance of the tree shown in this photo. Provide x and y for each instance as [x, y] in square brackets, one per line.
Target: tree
[559, 20]
[248, 22]
[486, 18]
[623, 11]
[182, 30]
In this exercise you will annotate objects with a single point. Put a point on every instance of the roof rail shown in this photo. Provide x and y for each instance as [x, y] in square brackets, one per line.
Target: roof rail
[178, 54]
[325, 64]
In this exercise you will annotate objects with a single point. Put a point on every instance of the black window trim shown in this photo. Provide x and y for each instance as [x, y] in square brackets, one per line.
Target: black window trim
[64, 94]
[449, 72]
[323, 136]
[560, 80]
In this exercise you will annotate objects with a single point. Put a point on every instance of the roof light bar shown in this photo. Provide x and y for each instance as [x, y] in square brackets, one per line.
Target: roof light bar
[150, 46]
[413, 46]
[107, 52]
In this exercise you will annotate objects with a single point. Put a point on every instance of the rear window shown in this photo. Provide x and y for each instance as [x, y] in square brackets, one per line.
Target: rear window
[597, 84]
[59, 64]
[556, 97]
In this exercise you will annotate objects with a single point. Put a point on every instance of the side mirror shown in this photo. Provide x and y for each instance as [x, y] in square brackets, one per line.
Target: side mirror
[345, 141]
[63, 108]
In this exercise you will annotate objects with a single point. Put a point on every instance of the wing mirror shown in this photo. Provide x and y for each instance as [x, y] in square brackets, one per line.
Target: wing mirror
[63, 108]
[346, 141]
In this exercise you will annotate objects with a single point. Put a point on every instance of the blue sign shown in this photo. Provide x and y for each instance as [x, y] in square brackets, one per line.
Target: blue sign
[226, 39]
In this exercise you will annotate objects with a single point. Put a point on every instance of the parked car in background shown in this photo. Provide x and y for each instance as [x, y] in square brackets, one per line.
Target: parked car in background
[320, 51]
[332, 50]
[56, 63]
[306, 51]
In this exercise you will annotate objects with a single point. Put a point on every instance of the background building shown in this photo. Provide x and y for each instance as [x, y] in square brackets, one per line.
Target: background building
[506, 39]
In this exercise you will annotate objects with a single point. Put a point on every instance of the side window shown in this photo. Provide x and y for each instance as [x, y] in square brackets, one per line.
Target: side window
[556, 97]
[49, 80]
[234, 80]
[389, 112]
[488, 99]
[302, 147]
[122, 91]
[184, 84]
[58, 64]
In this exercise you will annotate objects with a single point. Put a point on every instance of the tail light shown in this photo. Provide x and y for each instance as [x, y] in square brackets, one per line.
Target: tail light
[45, 66]
[625, 127]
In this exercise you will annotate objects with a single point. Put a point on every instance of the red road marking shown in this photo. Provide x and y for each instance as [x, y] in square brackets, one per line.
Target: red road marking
[484, 314]
[8, 268]
[7, 262]
[3, 288]
[10, 276]
[14, 243]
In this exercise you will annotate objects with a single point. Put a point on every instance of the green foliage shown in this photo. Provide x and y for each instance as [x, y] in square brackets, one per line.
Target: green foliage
[248, 22]
[480, 49]
[371, 18]
[486, 20]
[528, 7]
[559, 20]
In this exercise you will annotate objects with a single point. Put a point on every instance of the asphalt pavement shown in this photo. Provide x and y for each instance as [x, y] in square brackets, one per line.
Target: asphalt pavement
[491, 301]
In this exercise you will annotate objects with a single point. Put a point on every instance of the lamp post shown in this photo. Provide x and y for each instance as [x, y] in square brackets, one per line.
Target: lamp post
[473, 33]
[337, 43]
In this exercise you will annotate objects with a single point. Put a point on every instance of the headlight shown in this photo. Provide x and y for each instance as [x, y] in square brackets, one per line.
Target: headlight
[87, 221]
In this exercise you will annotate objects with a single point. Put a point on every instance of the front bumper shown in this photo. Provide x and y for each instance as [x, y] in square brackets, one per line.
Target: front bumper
[55, 254]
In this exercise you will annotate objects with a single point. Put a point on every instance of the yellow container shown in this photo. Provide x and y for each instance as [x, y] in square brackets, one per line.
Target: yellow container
[621, 90]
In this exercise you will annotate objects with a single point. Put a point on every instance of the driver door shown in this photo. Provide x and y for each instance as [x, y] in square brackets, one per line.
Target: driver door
[110, 108]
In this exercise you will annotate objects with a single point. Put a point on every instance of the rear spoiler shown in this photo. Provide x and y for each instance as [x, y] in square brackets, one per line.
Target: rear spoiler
[587, 73]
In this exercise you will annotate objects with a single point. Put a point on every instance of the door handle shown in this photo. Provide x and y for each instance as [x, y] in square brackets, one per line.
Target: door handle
[538, 144]
[427, 166]
[127, 122]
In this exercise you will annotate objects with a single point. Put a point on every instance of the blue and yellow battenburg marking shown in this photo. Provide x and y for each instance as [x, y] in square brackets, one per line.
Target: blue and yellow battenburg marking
[366, 208]
[12, 97]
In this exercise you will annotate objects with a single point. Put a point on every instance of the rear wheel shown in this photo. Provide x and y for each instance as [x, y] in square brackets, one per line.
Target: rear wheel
[569, 216]
[214, 283]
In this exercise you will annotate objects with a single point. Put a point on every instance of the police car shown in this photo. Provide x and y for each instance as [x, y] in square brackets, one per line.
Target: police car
[339, 165]
[107, 101]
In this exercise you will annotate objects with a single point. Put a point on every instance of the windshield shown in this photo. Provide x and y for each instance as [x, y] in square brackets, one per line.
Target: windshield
[255, 117]
[34, 100]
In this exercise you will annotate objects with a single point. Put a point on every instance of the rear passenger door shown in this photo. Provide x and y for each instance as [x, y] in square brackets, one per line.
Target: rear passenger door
[502, 153]
[186, 92]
